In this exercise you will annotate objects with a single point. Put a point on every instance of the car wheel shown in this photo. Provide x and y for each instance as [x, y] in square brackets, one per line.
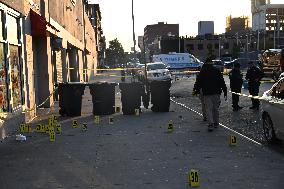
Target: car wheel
[268, 129]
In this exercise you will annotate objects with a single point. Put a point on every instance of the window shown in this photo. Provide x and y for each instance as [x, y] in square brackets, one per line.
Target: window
[3, 81]
[1, 25]
[15, 75]
[12, 30]
[278, 90]
[200, 46]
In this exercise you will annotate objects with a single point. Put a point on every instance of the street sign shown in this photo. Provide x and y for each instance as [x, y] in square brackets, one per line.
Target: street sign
[193, 178]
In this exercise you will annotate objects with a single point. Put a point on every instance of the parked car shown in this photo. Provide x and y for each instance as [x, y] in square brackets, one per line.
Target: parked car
[273, 111]
[219, 64]
[156, 71]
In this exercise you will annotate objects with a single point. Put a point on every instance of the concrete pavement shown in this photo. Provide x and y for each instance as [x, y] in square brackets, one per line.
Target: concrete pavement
[137, 152]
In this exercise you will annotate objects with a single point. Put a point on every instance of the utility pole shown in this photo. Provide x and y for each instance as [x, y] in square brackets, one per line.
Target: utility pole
[134, 43]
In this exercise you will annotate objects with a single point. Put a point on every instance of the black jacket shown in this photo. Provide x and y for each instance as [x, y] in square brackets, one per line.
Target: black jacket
[254, 74]
[236, 80]
[210, 80]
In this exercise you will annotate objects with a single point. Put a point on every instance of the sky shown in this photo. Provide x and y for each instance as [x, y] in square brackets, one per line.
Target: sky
[117, 20]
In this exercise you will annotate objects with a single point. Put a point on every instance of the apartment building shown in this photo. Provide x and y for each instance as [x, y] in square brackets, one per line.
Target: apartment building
[42, 43]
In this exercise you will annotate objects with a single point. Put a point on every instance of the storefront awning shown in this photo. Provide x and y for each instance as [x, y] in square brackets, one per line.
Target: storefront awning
[38, 24]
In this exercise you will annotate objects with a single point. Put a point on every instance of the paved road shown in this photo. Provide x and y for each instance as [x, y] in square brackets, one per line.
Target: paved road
[137, 152]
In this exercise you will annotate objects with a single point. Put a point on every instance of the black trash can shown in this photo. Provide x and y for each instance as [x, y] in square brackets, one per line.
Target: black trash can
[131, 97]
[103, 97]
[160, 95]
[70, 98]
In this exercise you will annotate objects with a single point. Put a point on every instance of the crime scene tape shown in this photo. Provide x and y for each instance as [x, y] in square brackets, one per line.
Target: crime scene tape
[281, 102]
[105, 69]
[37, 106]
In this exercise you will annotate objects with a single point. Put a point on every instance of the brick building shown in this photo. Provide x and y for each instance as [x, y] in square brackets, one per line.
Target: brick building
[42, 43]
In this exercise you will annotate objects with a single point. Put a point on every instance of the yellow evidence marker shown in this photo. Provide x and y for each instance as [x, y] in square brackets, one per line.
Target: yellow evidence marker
[170, 126]
[22, 128]
[232, 140]
[46, 128]
[40, 128]
[52, 136]
[84, 127]
[137, 112]
[117, 109]
[58, 128]
[50, 121]
[74, 124]
[110, 120]
[25, 128]
[97, 120]
[193, 178]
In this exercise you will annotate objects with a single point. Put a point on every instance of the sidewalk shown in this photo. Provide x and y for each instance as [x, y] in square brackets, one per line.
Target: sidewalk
[137, 152]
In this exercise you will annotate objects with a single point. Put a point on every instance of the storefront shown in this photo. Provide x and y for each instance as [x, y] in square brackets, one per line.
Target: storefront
[11, 75]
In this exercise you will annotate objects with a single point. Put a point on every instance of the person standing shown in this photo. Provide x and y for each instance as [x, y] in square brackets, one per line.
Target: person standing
[254, 75]
[236, 82]
[211, 83]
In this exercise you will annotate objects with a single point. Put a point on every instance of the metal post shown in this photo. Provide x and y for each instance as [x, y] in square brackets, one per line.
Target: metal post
[133, 30]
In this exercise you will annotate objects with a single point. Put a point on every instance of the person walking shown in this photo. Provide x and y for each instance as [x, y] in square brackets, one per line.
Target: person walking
[254, 75]
[200, 95]
[236, 82]
[211, 83]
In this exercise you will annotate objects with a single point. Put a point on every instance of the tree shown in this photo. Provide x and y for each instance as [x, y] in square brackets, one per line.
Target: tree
[115, 53]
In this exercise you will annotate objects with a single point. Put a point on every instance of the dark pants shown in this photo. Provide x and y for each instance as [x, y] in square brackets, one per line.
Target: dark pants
[254, 90]
[235, 97]
[235, 100]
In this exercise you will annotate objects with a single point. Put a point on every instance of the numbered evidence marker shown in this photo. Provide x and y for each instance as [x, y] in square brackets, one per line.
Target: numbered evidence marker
[58, 128]
[232, 140]
[40, 128]
[193, 178]
[50, 121]
[137, 112]
[25, 128]
[97, 120]
[170, 126]
[52, 136]
[84, 127]
[110, 120]
[74, 124]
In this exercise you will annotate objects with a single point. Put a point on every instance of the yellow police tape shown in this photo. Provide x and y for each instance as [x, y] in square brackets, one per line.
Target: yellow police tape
[37, 106]
[105, 69]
